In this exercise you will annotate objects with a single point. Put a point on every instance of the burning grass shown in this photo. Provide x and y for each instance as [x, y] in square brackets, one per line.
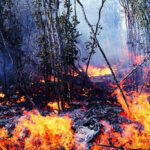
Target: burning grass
[34, 131]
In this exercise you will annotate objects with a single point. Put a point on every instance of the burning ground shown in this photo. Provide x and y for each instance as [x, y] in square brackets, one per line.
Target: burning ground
[100, 121]
[53, 96]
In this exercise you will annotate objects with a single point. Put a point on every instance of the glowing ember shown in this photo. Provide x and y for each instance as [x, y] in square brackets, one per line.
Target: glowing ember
[2, 95]
[22, 99]
[95, 71]
[51, 78]
[42, 81]
[54, 105]
[34, 131]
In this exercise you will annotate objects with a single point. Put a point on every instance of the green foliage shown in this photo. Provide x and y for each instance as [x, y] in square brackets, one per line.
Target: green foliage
[138, 21]
[57, 43]
[67, 32]
[43, 42]
[69, 35]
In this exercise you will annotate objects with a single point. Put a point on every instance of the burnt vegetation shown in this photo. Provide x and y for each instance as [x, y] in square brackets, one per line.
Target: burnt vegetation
[41, 68]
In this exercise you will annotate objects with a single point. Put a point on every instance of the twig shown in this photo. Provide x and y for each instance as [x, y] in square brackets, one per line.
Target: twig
[102, 52]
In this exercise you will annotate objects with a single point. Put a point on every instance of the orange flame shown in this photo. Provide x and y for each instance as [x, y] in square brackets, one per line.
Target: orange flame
[95, 71]
[34, 131]
[131, 137]
[2, 95]
[22, 99]
[54, 105]
[51, 78]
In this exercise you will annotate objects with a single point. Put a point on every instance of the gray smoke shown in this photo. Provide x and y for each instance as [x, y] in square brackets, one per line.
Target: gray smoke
[113, 34]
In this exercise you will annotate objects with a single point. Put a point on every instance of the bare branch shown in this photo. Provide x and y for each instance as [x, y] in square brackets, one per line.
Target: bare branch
[102, 52]
[94, 41]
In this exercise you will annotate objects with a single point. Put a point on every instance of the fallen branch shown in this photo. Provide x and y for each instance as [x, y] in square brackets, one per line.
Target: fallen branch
[136, 68]
[102, 52]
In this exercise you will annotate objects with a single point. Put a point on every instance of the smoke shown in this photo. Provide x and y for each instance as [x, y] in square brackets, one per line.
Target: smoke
[113, 34]
[112, 37]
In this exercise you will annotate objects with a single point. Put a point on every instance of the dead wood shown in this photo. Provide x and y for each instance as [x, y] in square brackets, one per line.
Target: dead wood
[135, 69]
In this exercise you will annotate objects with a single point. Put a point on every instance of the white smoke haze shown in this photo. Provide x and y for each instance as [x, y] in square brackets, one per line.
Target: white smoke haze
[113, 34]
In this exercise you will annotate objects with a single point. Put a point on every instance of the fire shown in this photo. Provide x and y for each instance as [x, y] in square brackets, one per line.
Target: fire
[132, 136]
[51, 78]
[95, 71]
[34, 131]
[42, 81]
[54, 105]
[136, 58]
[2, 95]
[22, 99]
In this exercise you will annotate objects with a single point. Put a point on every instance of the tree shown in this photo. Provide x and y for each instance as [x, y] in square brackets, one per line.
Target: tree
[138, 24]
[11, 38]
[138, 27]
[57, 46]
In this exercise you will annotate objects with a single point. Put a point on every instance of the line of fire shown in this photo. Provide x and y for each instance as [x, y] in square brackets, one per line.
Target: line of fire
[74, 74]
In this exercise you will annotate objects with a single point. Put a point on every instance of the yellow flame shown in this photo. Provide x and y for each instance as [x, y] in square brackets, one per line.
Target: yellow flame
[95, 71]
[34, 131]
[2, 95]
[132, 137]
